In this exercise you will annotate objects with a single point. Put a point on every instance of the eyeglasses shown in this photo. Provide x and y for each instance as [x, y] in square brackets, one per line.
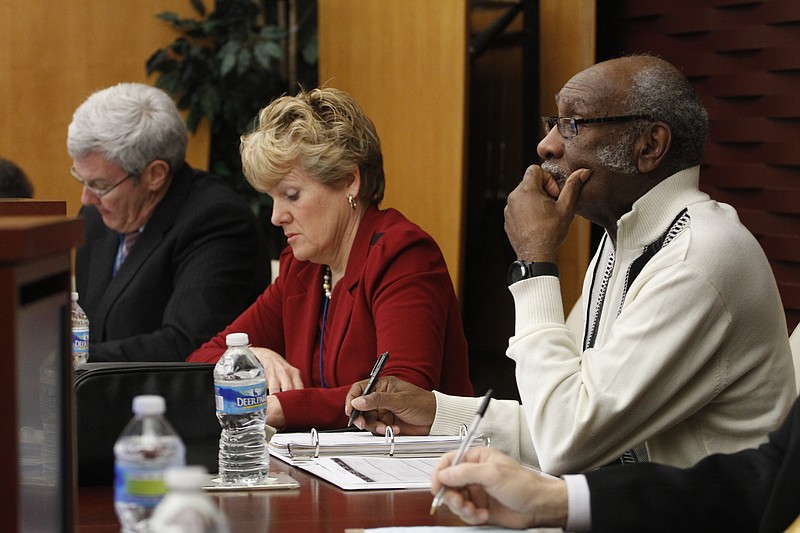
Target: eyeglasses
[568, 126]
[100, 186]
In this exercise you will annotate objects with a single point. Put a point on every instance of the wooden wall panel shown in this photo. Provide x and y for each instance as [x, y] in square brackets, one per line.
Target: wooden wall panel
[52, 56]
[563, 54]
[405, 62]
[742, 57]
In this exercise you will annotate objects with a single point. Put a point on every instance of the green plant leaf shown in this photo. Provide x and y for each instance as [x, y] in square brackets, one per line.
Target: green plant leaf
[169, 16]
[224, 66]
[169, 82]
[275, 50]
[185, 101]
[221, 169]
[311, 50]
[199, 7]
[243, 63]
[208, 27]
[272, 33]
[210, 102]
[193, 120]
[156, 61]
[262, 54]
[178, 22]
[227, 56]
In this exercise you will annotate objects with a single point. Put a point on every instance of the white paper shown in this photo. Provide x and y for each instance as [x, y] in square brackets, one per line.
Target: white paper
[367, 473]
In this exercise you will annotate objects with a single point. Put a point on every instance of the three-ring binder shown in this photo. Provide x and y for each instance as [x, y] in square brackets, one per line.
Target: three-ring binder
[317, 443]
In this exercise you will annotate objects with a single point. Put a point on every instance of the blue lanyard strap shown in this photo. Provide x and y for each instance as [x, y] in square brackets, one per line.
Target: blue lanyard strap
[326, 301]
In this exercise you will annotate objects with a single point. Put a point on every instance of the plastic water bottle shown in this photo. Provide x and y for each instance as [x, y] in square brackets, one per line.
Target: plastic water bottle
[240, 392]
[186, 508]
[144, 450]
[80, 333]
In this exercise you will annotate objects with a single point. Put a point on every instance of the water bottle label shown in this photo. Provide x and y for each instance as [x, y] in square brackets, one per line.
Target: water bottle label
[240, 400]
[80, 341]
[139, 486]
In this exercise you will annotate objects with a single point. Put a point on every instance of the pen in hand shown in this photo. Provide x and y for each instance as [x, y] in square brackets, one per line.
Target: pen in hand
[465, 444]
[373, 376]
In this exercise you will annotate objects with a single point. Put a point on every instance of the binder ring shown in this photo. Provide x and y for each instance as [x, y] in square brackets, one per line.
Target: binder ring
[463, 431]
[315, 442]
[390, 440]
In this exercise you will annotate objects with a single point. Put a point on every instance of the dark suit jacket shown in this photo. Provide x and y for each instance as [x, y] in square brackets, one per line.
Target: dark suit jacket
[396, 295]
[200, 261]
[752, 490]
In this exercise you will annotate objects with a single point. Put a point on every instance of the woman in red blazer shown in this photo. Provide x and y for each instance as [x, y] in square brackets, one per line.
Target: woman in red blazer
[355, 281]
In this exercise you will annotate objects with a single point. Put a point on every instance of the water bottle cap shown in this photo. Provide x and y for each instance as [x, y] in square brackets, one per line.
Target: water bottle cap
[150, 404]
[186, 477]
[74, 296]
[237, 339]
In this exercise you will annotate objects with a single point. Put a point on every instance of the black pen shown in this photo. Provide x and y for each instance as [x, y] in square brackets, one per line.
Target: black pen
[373, 377]
[465, 444]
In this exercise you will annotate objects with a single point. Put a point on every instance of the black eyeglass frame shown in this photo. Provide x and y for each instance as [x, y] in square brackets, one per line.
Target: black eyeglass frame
[570, 124]
[98, 192]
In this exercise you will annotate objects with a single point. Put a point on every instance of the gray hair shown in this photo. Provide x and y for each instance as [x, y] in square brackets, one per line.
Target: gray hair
[130, 125]
[662, 93]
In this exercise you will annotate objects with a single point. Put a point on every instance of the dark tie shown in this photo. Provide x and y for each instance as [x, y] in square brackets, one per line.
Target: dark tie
[126, 242]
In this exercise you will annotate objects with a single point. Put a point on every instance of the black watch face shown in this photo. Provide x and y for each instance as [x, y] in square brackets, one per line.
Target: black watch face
[518, 271]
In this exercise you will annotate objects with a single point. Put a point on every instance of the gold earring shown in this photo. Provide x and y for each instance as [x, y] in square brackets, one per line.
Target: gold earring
[351, 201]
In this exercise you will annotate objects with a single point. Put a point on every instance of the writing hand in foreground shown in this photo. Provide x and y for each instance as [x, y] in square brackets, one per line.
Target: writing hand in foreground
[280, 375]
[540, 210]
[408, 409]
[490, 487]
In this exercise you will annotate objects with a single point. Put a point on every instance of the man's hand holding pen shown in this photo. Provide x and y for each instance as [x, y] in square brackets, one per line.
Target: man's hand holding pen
[408, 409]
[488, 487]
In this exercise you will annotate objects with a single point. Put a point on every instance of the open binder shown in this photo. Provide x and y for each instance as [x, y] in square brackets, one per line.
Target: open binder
[300, 446]
[358, 460]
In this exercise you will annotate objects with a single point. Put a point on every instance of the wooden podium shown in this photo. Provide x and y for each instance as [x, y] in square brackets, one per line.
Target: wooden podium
[36, 444]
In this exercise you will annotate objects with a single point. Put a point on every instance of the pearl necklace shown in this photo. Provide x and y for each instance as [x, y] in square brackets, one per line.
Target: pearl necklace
[326, 282]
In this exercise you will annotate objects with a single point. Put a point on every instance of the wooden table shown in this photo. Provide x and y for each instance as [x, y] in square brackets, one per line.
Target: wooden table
[317, 506]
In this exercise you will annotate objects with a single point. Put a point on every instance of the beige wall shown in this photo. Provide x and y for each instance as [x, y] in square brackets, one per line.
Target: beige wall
[405, 62]
[52, 56]
[564, 53]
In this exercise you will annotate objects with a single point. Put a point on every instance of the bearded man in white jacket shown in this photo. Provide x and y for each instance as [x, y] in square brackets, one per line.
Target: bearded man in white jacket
[683, 347]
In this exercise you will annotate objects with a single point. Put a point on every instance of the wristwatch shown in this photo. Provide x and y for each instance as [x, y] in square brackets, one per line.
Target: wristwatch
[520, 270]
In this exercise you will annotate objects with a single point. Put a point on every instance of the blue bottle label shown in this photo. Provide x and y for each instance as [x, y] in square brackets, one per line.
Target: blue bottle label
[139, 485]
[240, 400]
[80, 341]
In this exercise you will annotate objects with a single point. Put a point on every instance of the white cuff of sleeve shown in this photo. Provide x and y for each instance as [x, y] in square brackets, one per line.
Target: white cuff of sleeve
[579, 503]
[452, 412]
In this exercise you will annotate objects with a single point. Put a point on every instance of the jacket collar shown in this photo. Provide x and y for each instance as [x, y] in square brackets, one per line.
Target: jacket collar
[656, 210]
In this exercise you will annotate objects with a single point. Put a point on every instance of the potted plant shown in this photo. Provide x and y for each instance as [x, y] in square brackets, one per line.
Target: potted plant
[228, 63]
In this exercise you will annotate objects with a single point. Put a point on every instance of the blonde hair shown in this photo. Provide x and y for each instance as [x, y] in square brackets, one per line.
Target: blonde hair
[323, 131]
